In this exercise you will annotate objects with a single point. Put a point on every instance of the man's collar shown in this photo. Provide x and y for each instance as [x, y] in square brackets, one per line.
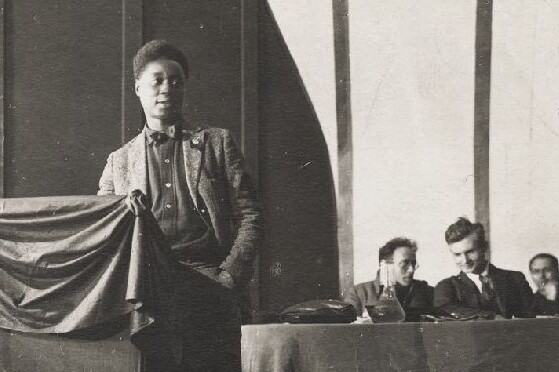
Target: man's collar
[476, 277]
[485, 271]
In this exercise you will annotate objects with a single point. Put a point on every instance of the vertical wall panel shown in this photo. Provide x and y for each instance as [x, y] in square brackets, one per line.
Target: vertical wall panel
[62, 94]
[482, 104]
[344, 200]
[2, 95]
[132, 40]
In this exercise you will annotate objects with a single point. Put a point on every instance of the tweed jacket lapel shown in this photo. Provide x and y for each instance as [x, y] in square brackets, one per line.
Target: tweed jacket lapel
[137, 164]
[193, 149]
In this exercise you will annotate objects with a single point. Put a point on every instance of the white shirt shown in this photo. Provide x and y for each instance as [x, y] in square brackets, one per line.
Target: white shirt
[475, 277]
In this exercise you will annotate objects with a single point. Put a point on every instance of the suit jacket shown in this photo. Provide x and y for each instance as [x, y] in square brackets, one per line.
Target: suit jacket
[543, 306]
[216, 178]
[459, 295]
[420, 296]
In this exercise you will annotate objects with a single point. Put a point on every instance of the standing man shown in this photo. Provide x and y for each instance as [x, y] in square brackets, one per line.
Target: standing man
[480, 288]
[203, 200]
[415, 296]
[544, 270]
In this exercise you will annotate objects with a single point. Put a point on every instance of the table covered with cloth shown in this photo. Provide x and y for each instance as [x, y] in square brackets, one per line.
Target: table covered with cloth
[497, 345]
[87, 268]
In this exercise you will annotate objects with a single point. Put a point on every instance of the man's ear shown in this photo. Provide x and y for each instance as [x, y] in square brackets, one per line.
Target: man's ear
[136, 87]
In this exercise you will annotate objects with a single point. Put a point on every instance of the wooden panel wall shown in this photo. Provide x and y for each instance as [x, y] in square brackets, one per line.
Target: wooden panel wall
[68, 88]
[62, 67]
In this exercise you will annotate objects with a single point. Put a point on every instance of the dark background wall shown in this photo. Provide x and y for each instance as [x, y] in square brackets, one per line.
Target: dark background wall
[209, 32]
[62, 94]
[65, 63]
[69, 102]
[301, 259]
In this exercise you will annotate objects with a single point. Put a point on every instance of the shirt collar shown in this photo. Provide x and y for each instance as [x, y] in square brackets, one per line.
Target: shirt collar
[475, 277]
[485, 271]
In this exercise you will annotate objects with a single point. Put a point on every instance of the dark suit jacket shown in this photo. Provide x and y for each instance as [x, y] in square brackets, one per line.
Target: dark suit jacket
[216, 177]
[420, 296]
[459, 295]
[543, 306]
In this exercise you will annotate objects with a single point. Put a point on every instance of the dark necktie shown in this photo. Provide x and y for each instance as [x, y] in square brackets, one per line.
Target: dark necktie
[162, 136]
[159, 137]
[487, 290]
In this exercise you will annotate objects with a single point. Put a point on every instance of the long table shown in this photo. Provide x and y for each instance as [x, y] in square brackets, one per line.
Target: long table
[499, 345]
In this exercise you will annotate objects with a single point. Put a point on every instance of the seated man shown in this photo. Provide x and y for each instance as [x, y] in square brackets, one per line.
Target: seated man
[414, 295]
[544, 269]
[480, 288]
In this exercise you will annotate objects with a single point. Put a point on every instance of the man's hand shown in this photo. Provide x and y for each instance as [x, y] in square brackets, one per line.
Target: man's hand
[138, 202]
[226, 280]
[549, 290]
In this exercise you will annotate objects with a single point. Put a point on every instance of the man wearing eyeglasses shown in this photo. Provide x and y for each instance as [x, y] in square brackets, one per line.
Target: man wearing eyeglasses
[544, 270]
[480, 290]
[415, 296]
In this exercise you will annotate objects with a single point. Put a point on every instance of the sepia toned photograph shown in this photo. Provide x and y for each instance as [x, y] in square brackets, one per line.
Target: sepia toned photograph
[279, 185]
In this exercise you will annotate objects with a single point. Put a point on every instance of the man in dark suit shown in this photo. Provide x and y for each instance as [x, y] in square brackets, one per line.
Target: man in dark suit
[194, 182]
[415, 296]
[544, 270]
[480, 289]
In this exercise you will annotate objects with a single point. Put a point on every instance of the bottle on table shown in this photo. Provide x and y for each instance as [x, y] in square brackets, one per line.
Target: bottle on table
[388, 309]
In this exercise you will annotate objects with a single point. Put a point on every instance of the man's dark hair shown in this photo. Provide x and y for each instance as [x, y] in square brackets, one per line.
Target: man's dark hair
[463, 228]
[157, 49]
[549, 256]
[386, 252]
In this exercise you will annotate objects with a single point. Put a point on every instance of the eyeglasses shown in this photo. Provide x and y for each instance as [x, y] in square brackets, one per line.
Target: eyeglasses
[406, 264]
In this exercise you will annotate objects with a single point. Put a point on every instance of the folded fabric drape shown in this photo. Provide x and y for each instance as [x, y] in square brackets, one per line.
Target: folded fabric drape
[73, 262]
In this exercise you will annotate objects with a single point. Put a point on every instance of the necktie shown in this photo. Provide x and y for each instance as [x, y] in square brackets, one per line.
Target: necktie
[159, 137]
[162, 136]
[487, 291]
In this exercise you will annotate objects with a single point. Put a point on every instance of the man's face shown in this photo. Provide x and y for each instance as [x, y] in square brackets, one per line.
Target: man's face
[468, 255]
[404, 265]
[160, 88]
[542, 272]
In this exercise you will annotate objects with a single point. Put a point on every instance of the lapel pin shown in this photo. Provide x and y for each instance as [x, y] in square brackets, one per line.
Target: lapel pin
[195, 143]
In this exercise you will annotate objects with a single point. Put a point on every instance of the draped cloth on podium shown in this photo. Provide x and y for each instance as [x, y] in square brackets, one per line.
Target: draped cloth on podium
[74, 262]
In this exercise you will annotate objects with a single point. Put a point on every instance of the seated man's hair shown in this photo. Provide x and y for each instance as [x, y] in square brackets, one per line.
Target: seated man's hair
[462, 228]
[386, 252]
[544, 255]
[157, 49]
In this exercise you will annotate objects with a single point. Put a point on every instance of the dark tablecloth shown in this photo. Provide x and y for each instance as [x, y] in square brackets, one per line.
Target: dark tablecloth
[71, 263]
[24, 352]
[499, 345]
